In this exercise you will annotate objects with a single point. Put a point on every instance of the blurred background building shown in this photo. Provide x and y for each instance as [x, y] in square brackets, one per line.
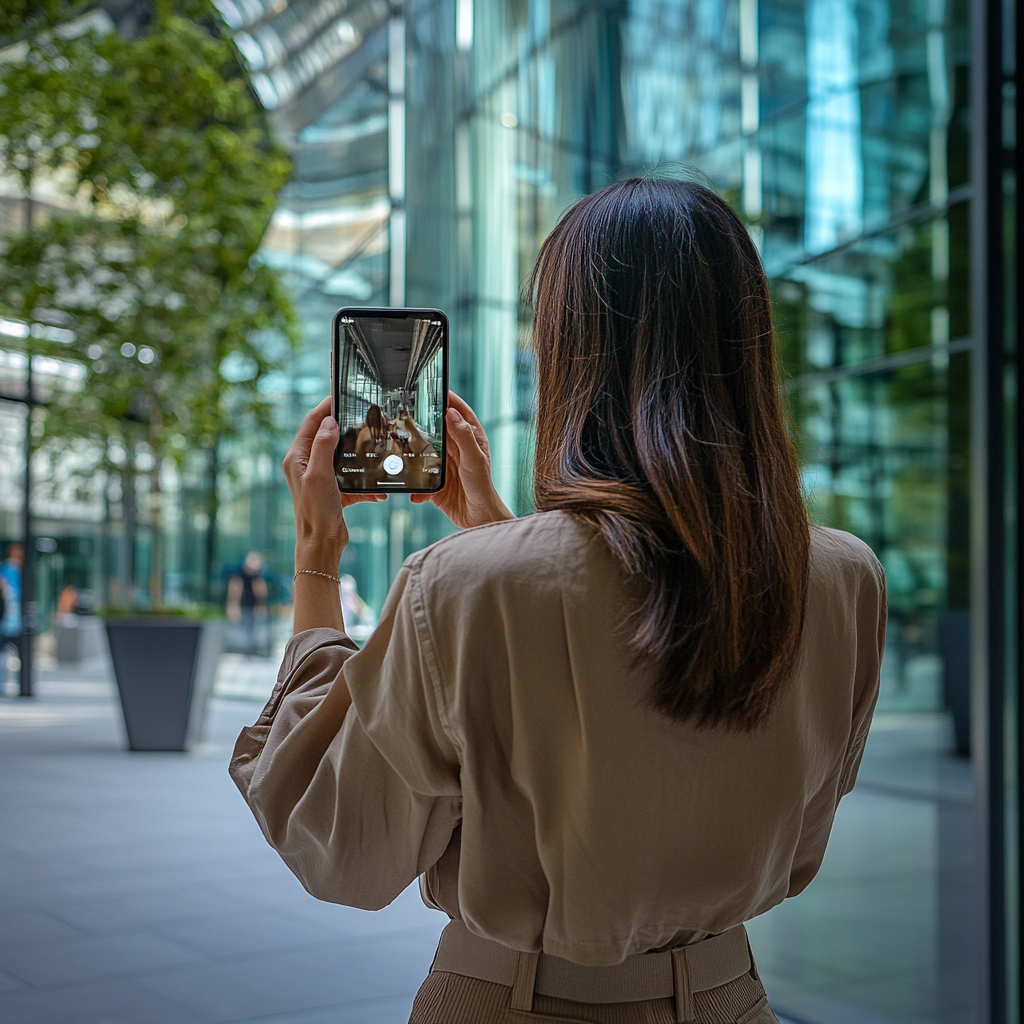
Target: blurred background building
[436, 144]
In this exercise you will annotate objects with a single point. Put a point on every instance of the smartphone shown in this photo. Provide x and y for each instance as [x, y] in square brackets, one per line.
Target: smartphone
[389, 381]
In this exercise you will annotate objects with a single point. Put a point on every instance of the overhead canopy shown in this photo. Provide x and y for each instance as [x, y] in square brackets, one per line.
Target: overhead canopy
[304, 55]
[395, 350]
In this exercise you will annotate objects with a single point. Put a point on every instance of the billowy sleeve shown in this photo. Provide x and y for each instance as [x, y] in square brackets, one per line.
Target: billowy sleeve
[869, 612]
[358, 803]
[872, 618]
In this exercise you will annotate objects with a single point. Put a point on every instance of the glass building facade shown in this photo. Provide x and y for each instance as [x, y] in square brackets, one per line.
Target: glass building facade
[840, 131]
[436, 144]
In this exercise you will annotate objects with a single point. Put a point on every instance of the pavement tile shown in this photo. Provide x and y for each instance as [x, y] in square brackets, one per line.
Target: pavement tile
[279, 984]
[26, 927]
[22, 870]
[9, 983]
[137, 912]
[109, 1003]
[92, 957]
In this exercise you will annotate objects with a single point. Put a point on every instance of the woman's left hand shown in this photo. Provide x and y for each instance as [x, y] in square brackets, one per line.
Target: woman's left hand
[320, 531]
[468, 497]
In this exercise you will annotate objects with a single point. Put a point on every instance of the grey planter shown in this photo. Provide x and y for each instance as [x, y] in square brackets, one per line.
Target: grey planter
[78, 637]
[164, 670]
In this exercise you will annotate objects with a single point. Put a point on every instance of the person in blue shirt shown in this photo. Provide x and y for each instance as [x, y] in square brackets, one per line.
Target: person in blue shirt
[10, 580]
[10, 590]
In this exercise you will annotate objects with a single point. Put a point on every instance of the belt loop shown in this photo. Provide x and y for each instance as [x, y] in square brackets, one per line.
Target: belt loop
[750, 953]
[526, 978]
[681, 984]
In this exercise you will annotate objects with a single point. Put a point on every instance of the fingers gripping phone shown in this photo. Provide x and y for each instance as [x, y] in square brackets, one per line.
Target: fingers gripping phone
[389, 383]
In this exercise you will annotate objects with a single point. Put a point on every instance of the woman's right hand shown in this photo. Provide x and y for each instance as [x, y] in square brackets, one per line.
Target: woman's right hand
[468, 497]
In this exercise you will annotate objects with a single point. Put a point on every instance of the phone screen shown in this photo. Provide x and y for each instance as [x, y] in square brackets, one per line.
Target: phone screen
[390, 382]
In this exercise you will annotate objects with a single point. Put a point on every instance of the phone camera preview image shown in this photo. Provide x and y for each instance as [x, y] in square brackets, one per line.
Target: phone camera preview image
[390, 401]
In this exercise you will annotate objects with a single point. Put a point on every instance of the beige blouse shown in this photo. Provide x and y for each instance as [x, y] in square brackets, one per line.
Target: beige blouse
[500, 746]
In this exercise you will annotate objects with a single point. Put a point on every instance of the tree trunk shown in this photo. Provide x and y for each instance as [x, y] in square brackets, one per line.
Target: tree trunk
[156, 561]
[212, 508]
[106, 562]
[129, 518]
[127, 573]
[156, 510]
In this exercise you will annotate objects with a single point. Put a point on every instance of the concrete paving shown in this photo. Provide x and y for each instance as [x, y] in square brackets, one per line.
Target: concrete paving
[137, 889]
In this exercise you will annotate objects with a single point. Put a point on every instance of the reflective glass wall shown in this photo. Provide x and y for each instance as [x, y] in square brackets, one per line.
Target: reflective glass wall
[866, 224]
[431, 161]
[838, 129]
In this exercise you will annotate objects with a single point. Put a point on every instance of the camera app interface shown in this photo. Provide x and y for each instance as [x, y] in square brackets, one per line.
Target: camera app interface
[390, 404]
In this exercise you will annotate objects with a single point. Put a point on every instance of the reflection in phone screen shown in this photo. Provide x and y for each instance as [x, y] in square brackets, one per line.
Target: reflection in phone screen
[390, 404]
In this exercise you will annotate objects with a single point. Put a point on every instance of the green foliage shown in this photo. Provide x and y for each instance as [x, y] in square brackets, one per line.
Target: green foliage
[169, 175]
[198, 612]
[23, 17]
[172, 176]
[176, 122]
[153, 328]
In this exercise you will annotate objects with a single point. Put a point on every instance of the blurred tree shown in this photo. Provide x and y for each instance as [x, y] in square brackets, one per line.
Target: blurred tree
[171, 176]
[19, 18]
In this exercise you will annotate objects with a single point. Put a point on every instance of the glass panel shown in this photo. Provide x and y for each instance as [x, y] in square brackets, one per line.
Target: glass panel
[330, 235]
[838, 130]
[886, 294]
[888, 925]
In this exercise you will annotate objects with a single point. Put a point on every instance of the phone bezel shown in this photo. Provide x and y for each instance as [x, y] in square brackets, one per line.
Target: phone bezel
[396, 313]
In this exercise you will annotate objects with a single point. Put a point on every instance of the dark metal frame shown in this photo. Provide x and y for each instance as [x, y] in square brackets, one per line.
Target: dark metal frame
[29, 623]
[996, 433]
[1015, 986]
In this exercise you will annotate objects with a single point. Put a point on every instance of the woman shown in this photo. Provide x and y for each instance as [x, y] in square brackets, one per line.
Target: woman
[373, 444]
[374, 432]
[418, 444]
[604, 735]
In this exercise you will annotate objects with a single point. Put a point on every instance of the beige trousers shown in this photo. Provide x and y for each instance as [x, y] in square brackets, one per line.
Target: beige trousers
[453, 999]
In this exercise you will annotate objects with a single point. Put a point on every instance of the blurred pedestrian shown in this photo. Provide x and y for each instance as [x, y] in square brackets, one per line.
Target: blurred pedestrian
[10, 574]
[10, 602]
[247, 601]
[67, 602]
[355, 610]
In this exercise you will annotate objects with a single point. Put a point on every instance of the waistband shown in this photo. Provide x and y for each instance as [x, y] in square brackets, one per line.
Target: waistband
[676, 973]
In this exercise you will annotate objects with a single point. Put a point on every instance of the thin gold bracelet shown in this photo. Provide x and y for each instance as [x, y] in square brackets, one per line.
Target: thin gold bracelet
[317, 572]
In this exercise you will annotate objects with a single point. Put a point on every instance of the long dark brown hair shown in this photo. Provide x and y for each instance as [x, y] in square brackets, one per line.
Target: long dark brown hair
[660, 421]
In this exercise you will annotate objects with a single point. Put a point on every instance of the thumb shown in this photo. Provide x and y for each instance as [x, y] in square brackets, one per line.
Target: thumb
[321, 454]
[471, 456]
